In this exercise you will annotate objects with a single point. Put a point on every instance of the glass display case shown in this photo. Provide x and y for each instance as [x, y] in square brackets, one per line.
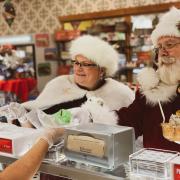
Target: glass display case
[152, 164]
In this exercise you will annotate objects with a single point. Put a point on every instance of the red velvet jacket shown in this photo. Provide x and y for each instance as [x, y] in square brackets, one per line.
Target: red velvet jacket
[147, 119]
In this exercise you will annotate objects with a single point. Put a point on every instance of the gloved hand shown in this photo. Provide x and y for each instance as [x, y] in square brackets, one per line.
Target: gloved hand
[12, 111]
[52, 135]
[30, 119]
[46, 120]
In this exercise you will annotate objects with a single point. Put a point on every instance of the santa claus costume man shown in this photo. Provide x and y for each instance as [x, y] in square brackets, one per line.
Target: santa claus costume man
[159, 91]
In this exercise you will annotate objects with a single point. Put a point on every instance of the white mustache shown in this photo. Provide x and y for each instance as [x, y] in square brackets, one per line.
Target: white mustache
[167, 60]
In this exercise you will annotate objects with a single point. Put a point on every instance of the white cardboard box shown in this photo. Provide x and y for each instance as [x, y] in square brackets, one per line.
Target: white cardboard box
[15, 141]
[175, 168]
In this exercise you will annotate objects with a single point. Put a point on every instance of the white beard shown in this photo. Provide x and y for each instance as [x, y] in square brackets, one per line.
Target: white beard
[169, 73]
[154, 89]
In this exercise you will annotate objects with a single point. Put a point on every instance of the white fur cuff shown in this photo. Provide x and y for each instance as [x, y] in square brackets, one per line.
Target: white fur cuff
[148, 78]
[100, 113]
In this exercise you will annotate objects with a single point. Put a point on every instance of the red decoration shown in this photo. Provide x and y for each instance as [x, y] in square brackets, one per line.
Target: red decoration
[176, 172]
[66, 35]
[42, 40]
[20, 87]
[6, 145]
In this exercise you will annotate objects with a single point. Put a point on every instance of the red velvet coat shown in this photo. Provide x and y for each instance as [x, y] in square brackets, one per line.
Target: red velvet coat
[146, 120]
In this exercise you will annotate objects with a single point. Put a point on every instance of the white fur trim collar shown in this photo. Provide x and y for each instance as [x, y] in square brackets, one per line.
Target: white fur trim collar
[63, 89]
[153, 89]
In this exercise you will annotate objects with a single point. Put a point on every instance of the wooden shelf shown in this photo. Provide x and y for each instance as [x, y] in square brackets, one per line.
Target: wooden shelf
[120, 12]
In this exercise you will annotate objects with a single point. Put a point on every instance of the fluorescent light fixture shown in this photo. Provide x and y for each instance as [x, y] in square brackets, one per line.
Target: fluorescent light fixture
[142, 22]
[21, 39]
[137, 70]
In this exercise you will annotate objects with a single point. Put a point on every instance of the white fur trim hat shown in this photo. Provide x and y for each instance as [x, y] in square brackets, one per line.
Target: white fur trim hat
[96, 50]
[167, 25]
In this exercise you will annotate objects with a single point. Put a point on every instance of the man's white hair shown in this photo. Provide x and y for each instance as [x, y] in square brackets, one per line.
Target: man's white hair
[168, 25]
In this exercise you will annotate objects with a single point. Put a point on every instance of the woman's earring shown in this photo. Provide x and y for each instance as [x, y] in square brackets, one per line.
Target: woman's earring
[178, 90]
[101, 76]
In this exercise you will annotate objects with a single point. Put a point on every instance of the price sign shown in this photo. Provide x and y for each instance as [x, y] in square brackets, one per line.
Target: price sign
[6, 145]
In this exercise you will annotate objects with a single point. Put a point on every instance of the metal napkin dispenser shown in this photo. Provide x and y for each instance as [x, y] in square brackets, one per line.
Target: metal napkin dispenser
[99, 144]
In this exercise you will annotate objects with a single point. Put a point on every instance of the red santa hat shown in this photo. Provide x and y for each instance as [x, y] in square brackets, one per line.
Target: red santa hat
[168, 25]
[96, 50]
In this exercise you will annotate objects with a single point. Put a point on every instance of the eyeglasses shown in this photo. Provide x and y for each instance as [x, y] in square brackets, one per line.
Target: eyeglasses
[82, 64]
[166, 46]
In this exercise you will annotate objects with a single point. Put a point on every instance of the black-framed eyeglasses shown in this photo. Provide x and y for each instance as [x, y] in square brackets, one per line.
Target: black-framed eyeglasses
[166, 46]
[83, 64]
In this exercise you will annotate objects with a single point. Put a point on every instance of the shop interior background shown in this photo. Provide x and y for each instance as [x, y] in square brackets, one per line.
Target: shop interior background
[36, 16]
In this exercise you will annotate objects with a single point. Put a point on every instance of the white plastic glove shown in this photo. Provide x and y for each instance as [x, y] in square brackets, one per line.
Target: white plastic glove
[52, 135]
[12, 111]
[46, 120]
[30, 119]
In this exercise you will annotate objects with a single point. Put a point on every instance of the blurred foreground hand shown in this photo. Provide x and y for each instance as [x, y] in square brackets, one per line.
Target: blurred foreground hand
[52, 135]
